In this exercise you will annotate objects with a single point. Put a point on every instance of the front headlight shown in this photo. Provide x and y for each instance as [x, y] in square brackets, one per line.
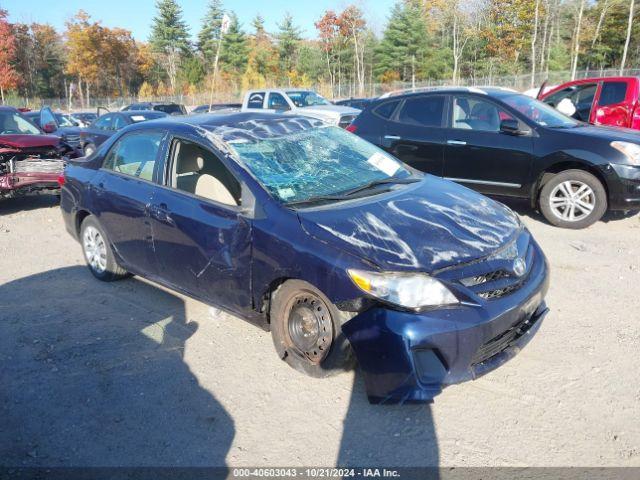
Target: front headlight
[630, 150]
[409, 290]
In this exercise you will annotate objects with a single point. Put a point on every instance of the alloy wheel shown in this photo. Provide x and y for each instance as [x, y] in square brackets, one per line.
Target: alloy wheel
[95, 249]
[572, 200]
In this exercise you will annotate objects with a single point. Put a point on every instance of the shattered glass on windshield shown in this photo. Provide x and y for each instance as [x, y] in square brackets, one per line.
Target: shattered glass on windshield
[298, 164]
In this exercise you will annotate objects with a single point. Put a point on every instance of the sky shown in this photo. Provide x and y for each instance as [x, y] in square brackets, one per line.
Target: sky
[136, 15]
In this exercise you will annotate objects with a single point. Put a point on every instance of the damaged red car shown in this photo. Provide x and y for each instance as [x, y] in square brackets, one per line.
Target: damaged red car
[30, 161]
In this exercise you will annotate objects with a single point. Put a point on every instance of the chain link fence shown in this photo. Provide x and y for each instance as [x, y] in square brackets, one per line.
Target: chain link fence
[517, 82]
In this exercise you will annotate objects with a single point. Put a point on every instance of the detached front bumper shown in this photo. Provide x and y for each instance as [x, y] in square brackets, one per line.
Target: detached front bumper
[410, 357]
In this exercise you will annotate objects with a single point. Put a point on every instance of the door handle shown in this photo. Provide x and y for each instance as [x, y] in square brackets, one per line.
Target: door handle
[456, 142]
[392, 137]
[161, 213]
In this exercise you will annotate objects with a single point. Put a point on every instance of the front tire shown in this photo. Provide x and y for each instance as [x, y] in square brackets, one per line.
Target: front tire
[573, 199]
[307, 330]
[98, 253]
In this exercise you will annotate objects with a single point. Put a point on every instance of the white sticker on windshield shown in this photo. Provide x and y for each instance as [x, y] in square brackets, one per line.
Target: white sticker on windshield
[137, 118]
[383, 163]
[286, 193]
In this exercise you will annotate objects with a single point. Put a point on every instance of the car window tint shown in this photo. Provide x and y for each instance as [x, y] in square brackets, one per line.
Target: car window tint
[612, 92]
[386, 109]
[471, 113]
[277, 102]
[198, 171]
[423, 111]
[104, 122]
[119, 122]
[255, 100]
[134, 154]
[582, 98]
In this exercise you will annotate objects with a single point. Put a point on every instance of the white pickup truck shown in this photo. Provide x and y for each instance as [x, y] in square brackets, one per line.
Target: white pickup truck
[298, 102]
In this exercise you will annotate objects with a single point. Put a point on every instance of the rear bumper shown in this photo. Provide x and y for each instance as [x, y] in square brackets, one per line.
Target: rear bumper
[624, 187]
[411, 357]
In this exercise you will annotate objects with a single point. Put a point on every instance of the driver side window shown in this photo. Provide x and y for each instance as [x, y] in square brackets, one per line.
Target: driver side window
[198, 171]
[470, 113]
[278, 102]
[104, 122]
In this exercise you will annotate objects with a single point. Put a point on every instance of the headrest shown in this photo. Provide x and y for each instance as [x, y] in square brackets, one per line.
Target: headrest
[190, 159]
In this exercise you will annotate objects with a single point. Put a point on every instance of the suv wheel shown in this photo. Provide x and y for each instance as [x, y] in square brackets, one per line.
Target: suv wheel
[573, 199]
[306, 330]
[97, 252]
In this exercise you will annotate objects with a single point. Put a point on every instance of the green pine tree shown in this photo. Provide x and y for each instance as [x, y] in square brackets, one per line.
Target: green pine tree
[169, 38]
[288, 37]
[234, 52]
[405, 43]
[169, 31]
[209, 34]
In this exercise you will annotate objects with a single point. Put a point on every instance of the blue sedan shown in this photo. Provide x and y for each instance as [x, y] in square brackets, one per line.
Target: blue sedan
[106, 125]
[335, 246]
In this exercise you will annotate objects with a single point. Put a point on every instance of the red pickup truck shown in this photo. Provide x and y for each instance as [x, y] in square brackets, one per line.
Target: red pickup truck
[30, 161]
[600, 101]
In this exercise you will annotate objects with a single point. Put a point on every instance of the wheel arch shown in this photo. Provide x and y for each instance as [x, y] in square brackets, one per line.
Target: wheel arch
[79, 218]
[558, 167]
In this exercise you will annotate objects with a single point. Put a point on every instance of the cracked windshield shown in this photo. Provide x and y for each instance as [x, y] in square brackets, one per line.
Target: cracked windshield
[317, 162]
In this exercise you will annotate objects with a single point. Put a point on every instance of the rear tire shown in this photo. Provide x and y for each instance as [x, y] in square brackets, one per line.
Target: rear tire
[98, 253]
[573, 199]
[307, 330]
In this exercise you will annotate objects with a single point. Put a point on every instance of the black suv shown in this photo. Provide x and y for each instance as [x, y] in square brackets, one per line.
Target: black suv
[500, 142]
[168, 108]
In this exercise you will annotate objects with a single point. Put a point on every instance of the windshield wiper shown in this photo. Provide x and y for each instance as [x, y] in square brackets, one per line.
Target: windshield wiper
[349, 194]
[318, 199]
[375, 183]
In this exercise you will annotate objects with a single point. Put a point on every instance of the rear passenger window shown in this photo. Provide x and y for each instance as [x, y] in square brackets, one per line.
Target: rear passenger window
[135, 155]
[612, 92]
[198, 171]
[422, 111]
[386, 109]
[256, 100]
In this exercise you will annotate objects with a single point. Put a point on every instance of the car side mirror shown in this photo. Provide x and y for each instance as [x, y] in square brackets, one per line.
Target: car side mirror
[49, 128]
[510, 127]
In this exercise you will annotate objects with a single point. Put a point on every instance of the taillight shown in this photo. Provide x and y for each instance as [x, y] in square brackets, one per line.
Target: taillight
[352, 128]
[61, 179]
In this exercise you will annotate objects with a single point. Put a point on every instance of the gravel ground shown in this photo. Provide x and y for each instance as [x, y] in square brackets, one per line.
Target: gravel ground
[131, 374]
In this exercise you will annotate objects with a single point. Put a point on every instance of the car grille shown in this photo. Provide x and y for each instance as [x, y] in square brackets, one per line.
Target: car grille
[495, 277]
[346, 120]
[500, 342]
[73, 140]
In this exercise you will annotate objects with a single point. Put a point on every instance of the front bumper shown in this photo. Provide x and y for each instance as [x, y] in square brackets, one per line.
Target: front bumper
[410, 357]
[624, 186]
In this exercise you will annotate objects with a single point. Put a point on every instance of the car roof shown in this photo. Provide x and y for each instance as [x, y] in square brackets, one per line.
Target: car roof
[228, 126]
[490, 91]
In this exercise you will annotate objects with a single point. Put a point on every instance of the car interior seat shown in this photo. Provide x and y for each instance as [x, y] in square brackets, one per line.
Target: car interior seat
[201, 173]
[484, 116]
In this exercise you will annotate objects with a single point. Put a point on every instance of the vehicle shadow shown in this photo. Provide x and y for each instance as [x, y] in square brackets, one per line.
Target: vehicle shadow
[388, 435]
[27, 202]
[93, 374]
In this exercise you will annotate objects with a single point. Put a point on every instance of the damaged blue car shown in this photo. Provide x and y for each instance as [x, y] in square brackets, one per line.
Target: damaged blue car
[340, 250]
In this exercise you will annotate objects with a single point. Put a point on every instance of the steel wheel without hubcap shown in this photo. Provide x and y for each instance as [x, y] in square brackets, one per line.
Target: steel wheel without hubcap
[572, 200]
[95, 249]
[309, 327]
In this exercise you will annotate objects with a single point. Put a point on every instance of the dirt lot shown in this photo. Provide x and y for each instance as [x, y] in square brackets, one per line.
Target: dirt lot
[131, 374]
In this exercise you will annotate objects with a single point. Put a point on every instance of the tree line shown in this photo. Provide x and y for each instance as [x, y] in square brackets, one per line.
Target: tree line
[423, 40]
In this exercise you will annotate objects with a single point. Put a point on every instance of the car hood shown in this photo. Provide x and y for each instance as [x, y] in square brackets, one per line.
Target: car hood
[333, 111]
[606, 133]
[29, 141]
[425, 226]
